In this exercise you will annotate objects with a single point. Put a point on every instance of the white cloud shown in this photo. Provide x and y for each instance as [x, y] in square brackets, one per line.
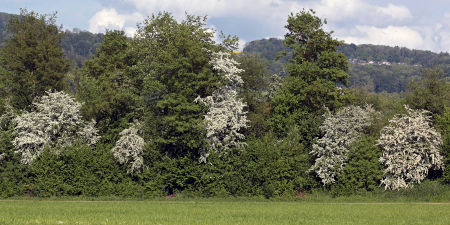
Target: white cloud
[273, 13]
[396, 12]
[390, 35]
[360, 11]
[111, 19]
[442, 33]
[357, 21]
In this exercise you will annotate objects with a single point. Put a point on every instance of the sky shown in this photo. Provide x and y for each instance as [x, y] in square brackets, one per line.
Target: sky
[417, 24]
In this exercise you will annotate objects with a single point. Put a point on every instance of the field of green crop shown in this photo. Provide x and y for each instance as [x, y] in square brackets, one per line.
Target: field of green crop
[219, 212]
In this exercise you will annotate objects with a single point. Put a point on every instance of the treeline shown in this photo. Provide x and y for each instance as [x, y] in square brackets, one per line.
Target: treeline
[171, 111]
[403, 64]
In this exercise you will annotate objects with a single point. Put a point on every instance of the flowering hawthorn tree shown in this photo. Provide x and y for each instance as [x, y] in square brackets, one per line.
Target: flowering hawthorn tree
[340, 130]
[55, 121]
[410, 148]
[226, 116]
[129, 148]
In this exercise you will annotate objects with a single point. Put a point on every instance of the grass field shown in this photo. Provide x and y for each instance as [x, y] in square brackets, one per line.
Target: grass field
[219, 212]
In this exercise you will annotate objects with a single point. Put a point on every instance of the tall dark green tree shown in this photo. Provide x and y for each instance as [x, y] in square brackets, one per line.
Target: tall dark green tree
[106, 86]
[315, 71]
[32, 59]
[173, 61]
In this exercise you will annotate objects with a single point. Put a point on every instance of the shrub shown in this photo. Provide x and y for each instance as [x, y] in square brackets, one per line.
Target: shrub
[410, 148]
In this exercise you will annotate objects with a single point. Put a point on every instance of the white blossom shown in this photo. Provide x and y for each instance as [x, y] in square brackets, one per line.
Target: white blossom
[129, 148]
[410, 148]
[340, 130]
[89, 133]
[55, 121]
[226, 116]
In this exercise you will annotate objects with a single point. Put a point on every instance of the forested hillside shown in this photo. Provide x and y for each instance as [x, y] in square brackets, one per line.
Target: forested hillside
[4, 17]
[373, 67]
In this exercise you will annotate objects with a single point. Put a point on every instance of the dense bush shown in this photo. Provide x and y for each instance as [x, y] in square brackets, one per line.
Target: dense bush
[362, 171]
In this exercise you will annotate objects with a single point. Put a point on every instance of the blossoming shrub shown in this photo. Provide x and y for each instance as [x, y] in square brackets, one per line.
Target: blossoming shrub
[340, 130]
[55, 121]
[129, 148]
[226, 116]
[411, 146]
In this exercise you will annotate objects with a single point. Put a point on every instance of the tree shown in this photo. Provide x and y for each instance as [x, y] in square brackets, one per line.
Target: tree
[55, 121]
[410, 148]
[173, 62]
[226, 117]
[32, 58]
[340, 130]
[109, 89]
[129, 148]
[314, 72]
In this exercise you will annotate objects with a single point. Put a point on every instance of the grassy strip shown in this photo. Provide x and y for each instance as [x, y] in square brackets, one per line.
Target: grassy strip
[219, 212]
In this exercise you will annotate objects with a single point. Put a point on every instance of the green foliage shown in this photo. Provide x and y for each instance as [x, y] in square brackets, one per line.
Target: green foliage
[32, 58]
[362, 172]
[267, 167]
[174, 66]
[155, 77]
[108, 89]
[79, 171]
[314, 71]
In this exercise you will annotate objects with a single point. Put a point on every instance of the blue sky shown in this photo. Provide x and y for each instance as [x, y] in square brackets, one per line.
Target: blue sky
[415, 24]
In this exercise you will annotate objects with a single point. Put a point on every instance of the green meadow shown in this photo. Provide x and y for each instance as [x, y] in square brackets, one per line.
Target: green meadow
[219, 212]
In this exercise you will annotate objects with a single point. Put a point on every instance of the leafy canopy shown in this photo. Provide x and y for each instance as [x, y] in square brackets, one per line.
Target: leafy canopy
[32, 59]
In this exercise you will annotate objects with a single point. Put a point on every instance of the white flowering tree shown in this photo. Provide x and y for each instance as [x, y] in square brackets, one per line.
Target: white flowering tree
[410, 148]
[340, 130]
[226, 116]
[55, 121]
[129, 148]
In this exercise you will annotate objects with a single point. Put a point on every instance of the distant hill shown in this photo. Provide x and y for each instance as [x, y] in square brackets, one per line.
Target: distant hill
[4, 17]
[376, 68]
[78, 45]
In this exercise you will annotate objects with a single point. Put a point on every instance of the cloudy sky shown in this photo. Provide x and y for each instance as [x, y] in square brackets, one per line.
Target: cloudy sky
[418, 24]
